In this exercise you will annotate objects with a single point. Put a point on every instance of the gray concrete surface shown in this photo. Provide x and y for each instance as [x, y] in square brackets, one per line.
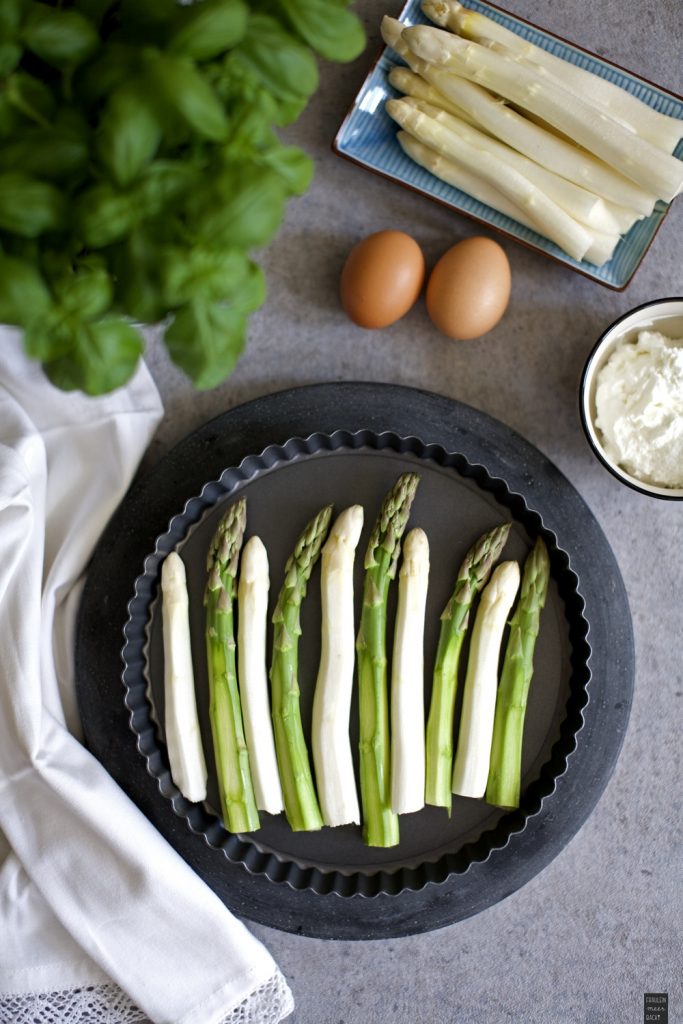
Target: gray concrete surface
[600, 926]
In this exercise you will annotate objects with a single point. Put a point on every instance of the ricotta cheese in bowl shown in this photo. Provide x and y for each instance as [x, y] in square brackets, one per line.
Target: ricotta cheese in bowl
[639, 408]
[631, 399]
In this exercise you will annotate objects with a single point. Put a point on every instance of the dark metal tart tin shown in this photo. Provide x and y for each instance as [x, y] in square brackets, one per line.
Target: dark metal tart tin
[289, 454]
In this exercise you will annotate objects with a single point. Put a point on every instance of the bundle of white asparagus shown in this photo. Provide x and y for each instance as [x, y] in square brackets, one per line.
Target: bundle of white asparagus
[560, 150]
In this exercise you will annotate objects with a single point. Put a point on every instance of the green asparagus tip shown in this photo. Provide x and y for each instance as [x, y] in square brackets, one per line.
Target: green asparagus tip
[391, 522]
[300, 563]
[474, 572]
[309, 543]
[226, 543]
[537, 572]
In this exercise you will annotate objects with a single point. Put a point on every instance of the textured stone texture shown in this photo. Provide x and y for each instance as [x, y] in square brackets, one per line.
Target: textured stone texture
[584, 940]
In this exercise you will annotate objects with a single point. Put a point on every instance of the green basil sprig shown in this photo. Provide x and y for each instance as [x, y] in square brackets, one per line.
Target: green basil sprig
[140, 168]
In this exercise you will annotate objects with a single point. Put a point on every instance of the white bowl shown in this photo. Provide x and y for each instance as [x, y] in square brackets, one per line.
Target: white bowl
[665, 315]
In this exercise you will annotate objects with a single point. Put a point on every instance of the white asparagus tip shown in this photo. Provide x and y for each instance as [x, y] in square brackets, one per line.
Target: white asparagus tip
[398, 110]
[504, 581]
[437, 11]
[390, 29]
[172, 571]
[254, 563]
[415, 553]
[432, 44]
[346, 529]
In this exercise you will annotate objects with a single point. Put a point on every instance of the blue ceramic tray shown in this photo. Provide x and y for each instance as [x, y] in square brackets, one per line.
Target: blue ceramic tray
[368, 137]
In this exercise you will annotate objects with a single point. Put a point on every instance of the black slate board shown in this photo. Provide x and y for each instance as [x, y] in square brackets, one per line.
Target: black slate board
[466, 882]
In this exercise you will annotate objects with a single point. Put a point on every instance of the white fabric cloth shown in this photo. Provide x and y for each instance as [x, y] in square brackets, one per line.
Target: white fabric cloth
[95, 907]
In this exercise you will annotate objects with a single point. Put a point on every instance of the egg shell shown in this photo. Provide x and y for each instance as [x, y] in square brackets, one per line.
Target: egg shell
[469, 288]
[382, 278]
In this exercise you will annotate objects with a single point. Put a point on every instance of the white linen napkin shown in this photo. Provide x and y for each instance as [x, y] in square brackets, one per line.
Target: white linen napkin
[100, 919]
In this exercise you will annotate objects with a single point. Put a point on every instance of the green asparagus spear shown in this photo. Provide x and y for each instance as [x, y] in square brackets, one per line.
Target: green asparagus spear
[238, 805]
[380, 824]
[473, 574]
[518, 665]
[301, 802]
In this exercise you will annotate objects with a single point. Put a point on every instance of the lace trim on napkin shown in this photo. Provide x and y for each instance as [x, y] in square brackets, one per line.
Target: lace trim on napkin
[107, 1004]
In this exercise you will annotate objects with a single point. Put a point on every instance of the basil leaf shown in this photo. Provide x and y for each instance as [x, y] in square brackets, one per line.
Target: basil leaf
[95, 10]
[62, 38]
[11, 13]
[251, 131]
[146, 20]
[251, 293]
[103, 356]
[10, 55]
[189, 95]
[164, 182]
[331, 30]
[292, 165]
[23, 292]
[87, 290]
[45, 151]
[50, 335]
[113, 66]
[252, 110]
[208, 28]
[9, 118]
[135, 264]
[201, 273]
[129, 134]
[285, 68]
[31, 97]
[27, 249]
[243, 209]
[28, 206]
[205, 340]
[104, 215]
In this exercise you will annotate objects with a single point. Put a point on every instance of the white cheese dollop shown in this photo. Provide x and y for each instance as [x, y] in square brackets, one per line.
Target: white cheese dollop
[639, 405]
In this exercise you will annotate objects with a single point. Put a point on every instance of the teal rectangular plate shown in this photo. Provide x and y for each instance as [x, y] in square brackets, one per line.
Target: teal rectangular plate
[367, 137]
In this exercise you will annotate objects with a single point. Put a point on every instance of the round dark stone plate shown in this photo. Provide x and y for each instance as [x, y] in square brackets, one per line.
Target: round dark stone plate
[289, 454]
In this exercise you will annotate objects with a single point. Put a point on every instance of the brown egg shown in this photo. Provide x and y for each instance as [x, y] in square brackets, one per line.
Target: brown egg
[382, 278]
[469, 288]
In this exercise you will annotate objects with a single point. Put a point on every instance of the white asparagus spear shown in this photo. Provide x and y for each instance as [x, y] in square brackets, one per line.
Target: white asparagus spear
[573, 115]
[181, 724]
[539, 142]
[624, 217]
[407, 678]
[473, 752]
[330, 740]
[660, 129]
[453, 173]
[546, 215]
[518, 131]
[252, 605]
[584, 206]
[415, 87]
